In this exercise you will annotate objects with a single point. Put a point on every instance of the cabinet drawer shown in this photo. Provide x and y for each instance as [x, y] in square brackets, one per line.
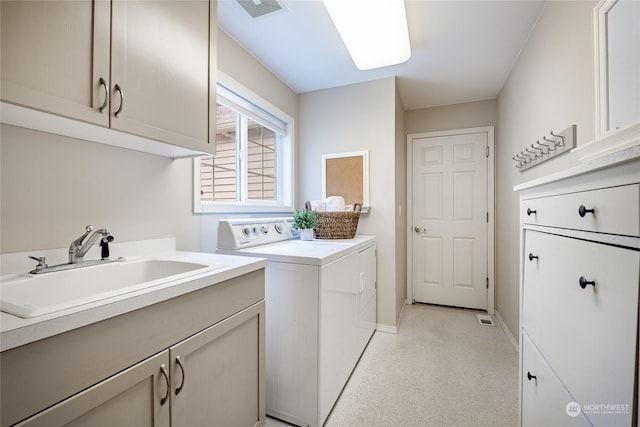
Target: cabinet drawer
[616, 210]
[544, 399]
[588, 335]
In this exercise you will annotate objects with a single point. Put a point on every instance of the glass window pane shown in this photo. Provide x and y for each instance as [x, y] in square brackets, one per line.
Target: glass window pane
[218, 175]
[261, 162]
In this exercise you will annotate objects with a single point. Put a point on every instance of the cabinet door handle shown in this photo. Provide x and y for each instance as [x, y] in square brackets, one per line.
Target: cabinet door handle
[582, 211]
[531, 212]
[584, 282]
[106, 94]
[165, 374]
[119, 90]
[181, 365]
[531, 377]
[532, 257]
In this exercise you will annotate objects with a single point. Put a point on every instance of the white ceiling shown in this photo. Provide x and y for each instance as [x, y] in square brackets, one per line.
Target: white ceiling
[462, 51]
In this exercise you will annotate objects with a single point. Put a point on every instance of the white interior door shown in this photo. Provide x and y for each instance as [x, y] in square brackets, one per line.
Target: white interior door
[450, 219]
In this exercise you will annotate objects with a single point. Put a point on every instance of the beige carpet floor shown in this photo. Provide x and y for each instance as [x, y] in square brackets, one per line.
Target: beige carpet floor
[442, 369]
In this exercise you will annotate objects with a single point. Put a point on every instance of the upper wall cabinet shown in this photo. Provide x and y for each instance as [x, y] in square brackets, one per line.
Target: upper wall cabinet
[144, 68]
[48, 57]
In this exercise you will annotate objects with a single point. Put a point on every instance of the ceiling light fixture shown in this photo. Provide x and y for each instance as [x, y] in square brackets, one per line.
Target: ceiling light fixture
[374, 31]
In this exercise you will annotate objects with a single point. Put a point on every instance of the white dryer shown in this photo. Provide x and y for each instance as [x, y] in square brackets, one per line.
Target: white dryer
[320, 312]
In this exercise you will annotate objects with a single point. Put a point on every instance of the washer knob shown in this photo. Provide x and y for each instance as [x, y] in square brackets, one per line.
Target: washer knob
[246, 231]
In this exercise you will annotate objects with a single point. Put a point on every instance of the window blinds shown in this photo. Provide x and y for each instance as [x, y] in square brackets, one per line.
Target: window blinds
[247, 108]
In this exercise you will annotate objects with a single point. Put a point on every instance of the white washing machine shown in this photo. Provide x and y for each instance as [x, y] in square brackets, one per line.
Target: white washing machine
[320, 312]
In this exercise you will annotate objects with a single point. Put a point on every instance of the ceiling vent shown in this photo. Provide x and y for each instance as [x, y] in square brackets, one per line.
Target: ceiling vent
[260, 8]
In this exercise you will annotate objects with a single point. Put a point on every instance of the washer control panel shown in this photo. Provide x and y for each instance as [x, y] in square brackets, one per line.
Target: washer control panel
[248, 232]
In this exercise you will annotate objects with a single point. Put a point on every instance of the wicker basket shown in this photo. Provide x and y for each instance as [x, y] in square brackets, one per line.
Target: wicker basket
[337, 225]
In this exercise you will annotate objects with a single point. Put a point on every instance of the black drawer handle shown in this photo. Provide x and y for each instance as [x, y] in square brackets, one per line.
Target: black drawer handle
[531, 377]
[584, 282]
[531, 211]
[582, 211]
[532, 257]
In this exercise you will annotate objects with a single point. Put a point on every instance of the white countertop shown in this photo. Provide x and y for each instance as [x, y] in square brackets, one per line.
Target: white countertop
[16, 331]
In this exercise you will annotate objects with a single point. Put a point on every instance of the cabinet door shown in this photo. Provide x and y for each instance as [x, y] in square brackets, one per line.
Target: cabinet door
[544, 399]
[160, 70]
[54, 54]
[137, 396]
[217, 375]
[587, 332]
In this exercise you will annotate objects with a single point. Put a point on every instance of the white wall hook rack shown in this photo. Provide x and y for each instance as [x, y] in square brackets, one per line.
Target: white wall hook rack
[546, 148]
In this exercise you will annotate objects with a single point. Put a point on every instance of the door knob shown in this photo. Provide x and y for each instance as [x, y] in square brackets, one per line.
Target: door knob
[419, 230]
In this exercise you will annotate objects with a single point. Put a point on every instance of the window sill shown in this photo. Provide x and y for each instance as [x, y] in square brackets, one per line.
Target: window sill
[233, 208]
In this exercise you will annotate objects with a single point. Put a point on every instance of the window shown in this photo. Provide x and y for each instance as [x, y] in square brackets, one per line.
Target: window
[252, 169]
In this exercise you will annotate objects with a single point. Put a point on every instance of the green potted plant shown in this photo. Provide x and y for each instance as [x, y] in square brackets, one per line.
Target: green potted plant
[305, 220]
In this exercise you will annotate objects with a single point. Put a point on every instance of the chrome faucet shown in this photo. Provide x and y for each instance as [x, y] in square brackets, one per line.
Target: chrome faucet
[79, 248]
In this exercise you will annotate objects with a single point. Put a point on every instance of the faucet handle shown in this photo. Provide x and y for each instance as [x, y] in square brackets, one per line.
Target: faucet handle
[78, 241]
[41, 262]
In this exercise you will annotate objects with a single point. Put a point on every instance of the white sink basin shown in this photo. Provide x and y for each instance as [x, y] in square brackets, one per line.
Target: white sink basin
[29, 295]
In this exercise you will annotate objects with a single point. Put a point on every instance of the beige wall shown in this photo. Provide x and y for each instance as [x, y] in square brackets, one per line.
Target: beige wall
[52, 186]
[550, 87]
[350, 118]
[447, 117]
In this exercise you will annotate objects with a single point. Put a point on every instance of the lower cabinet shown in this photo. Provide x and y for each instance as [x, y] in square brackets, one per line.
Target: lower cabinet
[580, 287]
[212, 378]
[194, 360]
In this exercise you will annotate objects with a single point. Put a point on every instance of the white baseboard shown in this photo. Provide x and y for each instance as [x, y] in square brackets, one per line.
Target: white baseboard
[386, 328]
[507, 332]
[392, 329]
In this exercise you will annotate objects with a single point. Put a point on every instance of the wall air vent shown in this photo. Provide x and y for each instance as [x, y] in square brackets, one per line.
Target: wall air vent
[260, 8]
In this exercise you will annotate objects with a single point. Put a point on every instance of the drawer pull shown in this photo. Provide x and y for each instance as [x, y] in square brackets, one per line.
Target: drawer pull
[165, 374]
[103, 82]
[532, 257]
[584, 282]
[531, 377]
[582, 211]
[181, 366]
[531, 211]
[119, 90]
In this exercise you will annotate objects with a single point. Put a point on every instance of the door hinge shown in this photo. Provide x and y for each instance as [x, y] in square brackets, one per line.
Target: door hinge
[487, 283]
[487, 216]
[487, 151]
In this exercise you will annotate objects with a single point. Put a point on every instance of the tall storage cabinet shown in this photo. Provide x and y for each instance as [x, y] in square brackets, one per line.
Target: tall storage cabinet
[580, 275]
[147, 68]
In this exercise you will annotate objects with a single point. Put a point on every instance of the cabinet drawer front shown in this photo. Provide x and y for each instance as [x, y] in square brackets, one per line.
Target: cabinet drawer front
[616, 210]
[588, 335]
[544, 398]
[132, 397]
